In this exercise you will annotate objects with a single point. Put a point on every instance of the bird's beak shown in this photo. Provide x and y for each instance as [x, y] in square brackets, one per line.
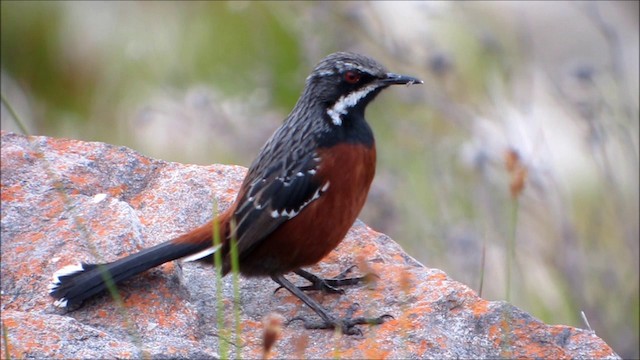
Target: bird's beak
[396, 79]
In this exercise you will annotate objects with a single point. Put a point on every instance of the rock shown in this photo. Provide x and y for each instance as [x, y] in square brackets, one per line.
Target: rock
[67, 200]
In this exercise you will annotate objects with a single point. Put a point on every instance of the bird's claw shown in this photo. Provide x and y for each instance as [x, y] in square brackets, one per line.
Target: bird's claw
[347, 325]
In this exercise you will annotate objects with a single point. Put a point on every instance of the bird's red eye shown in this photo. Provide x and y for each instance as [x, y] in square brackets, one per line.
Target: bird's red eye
[351, 77]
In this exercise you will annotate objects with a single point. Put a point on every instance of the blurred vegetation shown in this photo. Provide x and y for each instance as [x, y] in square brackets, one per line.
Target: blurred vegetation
[556, 86]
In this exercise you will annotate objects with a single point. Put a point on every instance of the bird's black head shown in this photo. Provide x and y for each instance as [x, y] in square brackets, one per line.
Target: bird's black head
[344, 83]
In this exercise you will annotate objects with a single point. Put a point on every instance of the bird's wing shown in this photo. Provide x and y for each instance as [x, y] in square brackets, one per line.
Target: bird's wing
[278, 194]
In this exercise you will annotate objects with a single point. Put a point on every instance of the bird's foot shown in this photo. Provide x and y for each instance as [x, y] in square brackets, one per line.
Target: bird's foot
[331, 285]
[346, 325]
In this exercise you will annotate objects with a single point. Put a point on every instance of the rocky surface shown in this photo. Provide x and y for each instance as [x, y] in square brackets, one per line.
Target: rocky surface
[53, 214]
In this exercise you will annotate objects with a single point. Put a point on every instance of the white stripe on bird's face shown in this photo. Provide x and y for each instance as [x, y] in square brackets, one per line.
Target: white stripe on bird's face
[346, 102]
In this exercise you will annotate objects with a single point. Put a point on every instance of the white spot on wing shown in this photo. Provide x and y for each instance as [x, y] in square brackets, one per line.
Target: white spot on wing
[325, 186]
[292, 213]
[96, 199]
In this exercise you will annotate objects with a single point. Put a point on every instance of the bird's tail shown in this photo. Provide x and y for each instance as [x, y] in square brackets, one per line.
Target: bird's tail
[73, 284]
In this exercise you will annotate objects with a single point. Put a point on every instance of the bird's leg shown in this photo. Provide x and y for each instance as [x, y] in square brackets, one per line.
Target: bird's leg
[330, 285]
[346, 324]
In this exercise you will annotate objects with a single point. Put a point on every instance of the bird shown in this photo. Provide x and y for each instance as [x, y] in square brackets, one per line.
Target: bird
[299, 197]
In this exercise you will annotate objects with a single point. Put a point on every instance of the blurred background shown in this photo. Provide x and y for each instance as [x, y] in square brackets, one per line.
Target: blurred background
[514, 168]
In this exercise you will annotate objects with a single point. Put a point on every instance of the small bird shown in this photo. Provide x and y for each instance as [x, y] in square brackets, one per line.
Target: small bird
[298, 199]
